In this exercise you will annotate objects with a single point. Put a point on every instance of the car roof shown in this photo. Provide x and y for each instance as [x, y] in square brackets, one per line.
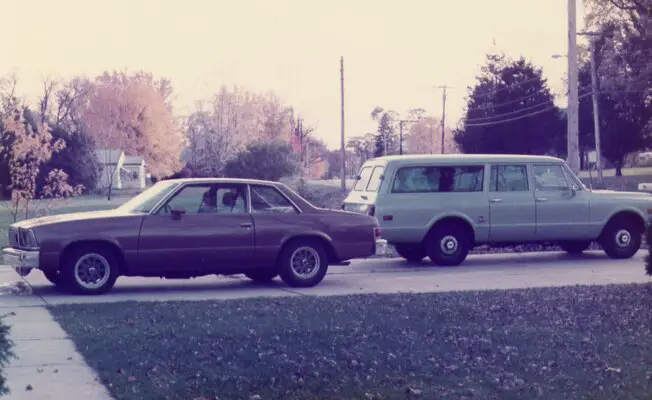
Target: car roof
[224, 180]
[462, 158]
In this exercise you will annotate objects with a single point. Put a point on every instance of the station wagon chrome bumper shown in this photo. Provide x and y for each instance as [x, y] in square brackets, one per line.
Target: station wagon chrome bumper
[16, 258]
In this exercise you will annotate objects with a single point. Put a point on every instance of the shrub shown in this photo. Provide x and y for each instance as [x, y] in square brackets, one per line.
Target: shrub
[5, 354]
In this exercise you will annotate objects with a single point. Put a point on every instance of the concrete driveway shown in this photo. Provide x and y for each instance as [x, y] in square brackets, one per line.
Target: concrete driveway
[497, 271]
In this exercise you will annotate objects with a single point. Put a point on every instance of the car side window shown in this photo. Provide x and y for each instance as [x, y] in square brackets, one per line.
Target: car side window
[439, 179]
[268, 200]
[208, 199]
[508, 178]
[549, 177]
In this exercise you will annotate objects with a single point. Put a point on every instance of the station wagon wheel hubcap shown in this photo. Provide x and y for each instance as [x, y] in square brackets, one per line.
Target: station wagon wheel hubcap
[92, 271]
[448, 245]
[623, 238]
[305, 262]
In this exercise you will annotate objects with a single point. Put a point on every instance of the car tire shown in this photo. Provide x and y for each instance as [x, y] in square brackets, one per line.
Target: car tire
[620, 239]
[303, 263]
[575, 246]
[411, 252]
[90, 270]
[54, 277]
[448, 244]
[262, 275]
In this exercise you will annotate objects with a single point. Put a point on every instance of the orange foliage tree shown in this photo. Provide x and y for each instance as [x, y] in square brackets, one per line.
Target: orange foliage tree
[133, 113]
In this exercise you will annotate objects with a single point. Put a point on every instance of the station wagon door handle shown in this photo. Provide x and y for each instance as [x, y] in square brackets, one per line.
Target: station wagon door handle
[542, 199]
[496, 200]
[246, 225]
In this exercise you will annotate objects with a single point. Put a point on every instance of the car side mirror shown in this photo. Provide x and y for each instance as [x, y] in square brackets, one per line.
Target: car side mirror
[177, 213]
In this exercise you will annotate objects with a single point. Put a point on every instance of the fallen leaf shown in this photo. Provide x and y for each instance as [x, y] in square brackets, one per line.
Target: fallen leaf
[414, 391]
[120, 371]
[610, 369]
[132, 379]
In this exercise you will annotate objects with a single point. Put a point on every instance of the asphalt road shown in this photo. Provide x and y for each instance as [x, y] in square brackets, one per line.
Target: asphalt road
[482, 272]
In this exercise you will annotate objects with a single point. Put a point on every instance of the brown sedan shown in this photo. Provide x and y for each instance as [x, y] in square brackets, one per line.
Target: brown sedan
[193, 227]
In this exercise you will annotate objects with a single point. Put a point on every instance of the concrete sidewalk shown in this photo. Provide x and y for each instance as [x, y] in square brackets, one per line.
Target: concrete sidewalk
[47, 365]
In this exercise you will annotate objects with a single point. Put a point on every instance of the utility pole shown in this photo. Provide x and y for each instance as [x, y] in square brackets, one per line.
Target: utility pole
[342, 149]
[572, 139]
[400, 137]
[443, 117]
[594, 95]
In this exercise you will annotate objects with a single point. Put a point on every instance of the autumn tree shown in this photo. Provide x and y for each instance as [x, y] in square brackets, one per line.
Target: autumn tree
[510, 110]
[133, 113]
[32, 146]
[266, 160]
[424, 137]
[362, 148]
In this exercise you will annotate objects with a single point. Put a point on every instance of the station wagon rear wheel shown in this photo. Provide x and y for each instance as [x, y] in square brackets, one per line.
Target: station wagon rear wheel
[90, 270]
[448, 244]
[621, 239]
[303, 263]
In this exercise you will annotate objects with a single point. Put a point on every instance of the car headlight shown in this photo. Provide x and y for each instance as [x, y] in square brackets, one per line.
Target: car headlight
[27, 239]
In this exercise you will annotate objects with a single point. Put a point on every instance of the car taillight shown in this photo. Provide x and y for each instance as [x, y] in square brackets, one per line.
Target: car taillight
[372, 210]
[377, 232]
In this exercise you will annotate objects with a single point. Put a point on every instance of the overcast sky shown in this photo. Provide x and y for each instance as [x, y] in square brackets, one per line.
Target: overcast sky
[395, 52]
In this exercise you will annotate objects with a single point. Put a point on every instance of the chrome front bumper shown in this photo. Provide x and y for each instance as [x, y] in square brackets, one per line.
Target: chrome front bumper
[20, 258]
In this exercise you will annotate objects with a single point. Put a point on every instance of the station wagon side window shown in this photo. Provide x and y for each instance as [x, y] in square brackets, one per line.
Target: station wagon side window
[426, 179]
[207, 199]
[365, 175]
[268, 200]
[549, 177]
[508, 178]
[376, 179]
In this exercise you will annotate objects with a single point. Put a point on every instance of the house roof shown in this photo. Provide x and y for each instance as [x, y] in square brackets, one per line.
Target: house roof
[108, 156]
[133, 160]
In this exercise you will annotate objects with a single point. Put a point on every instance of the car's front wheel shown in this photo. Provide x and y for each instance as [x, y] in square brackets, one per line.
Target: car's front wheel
[620, 239]
[303, 263]
[90, 270]
[411, 252]
[262, 275]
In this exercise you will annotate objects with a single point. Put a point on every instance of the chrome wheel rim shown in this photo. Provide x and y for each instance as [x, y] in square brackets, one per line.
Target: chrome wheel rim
[448, 245]
[92, 271]
[623, 238]
[305, 262]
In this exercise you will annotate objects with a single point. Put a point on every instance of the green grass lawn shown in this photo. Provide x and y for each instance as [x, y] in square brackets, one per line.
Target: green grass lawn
[551, 343]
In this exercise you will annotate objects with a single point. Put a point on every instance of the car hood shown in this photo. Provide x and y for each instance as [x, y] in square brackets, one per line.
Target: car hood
[617, 194]
[62, 218]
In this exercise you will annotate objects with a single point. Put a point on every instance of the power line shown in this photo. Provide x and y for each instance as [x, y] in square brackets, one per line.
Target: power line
[517, 118]
[545, 103]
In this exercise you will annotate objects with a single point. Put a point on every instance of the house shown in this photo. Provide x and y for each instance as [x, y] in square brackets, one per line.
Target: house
[132, 173]
[119, 171]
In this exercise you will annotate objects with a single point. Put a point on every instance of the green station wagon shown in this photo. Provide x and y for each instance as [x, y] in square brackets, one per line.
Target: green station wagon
[441, 206]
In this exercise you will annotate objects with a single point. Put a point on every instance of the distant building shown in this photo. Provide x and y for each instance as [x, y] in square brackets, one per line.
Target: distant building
[120, 171]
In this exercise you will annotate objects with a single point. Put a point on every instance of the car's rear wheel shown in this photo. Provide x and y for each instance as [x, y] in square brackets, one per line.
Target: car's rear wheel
[54, 277]
[303, 263]
[90, 269]
[448, 244]
[262, 275]
[575, 246]
[411, 252]
[621, 239]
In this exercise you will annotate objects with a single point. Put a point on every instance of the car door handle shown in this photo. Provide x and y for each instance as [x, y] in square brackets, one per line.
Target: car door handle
[246, 225]
[542, 199]
[496, 200]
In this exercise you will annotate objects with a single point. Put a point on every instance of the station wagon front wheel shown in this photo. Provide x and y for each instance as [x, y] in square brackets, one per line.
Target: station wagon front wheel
[621, 240]
[448, 245]
[303, 263]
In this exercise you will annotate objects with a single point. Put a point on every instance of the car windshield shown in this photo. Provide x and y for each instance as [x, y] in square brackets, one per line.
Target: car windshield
[145, 201]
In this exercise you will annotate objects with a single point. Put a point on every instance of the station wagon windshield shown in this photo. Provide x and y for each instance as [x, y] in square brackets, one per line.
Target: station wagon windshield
[145, 201]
